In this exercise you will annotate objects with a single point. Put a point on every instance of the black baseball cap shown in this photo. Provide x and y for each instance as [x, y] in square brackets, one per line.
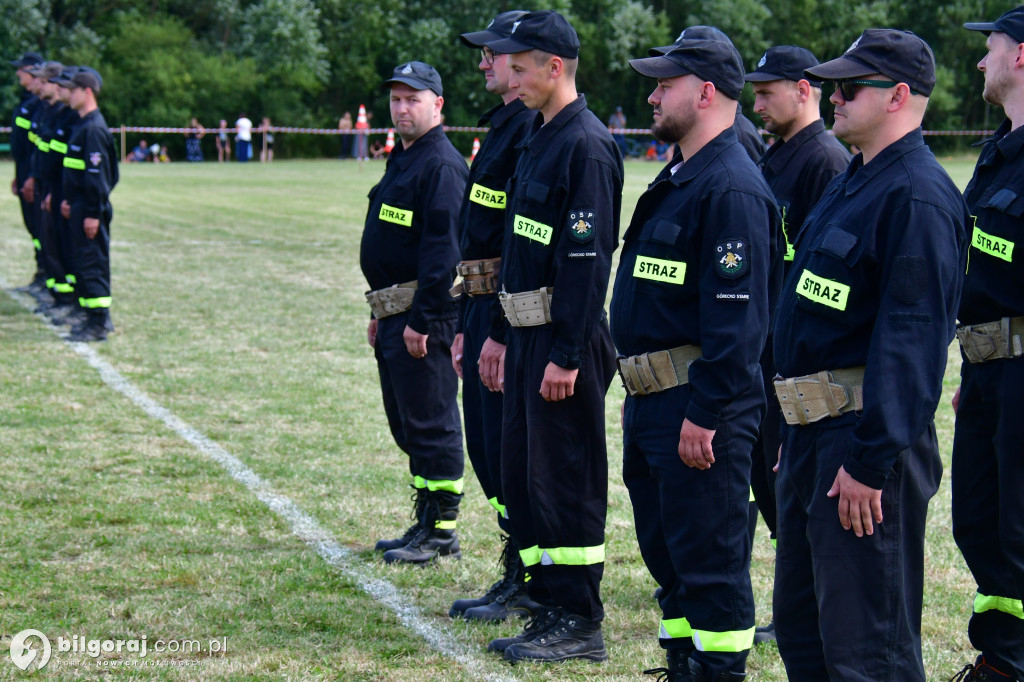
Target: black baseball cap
[82, 77]
[696, 32]
[500, 27]
[715, 61]
[546, 30]
[65, 76]
[783, 62]
[900, 55]
[1011, 23]
[47, 70]
[417, 75]
[27, 59]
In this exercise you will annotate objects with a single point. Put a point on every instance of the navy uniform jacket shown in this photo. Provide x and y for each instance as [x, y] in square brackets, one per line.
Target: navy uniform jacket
[563, 223]
[52, 169]
[876, 282]
[21, 126]
[798, 171]
[42, 160]
[700, 265]
[482, 218]
[411, 230]
[90, 166]
[994, 285]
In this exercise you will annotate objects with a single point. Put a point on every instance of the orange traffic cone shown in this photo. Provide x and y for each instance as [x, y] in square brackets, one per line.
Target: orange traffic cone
[389, 144]
[361, 122]
[476, 148]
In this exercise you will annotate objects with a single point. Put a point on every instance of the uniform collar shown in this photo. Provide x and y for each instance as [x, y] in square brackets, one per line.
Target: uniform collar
[703, 158]
[403, 158]
[543, 132]
[781, 153]
[1009, 141]
[502, 113]
[859, 174]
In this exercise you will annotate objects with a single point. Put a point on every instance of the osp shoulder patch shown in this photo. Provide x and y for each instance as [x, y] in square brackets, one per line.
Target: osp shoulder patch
[581, 225]
[95, 158]
[731, 258]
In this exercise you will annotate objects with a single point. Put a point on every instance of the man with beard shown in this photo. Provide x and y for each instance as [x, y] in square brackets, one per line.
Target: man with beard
[700, 265]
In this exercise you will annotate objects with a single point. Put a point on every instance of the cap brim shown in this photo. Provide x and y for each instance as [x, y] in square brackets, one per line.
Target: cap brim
[763, 77]
[658, 67]
[63, 82]
[843, 67]
[411, 82]
[664, 49]
[479, 38]
[508, 46]
[983, 27]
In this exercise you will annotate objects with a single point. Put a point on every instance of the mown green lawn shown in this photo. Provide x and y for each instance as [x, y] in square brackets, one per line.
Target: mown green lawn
[238, 304]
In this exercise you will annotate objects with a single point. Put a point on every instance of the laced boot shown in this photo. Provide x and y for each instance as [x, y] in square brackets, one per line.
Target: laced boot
[436, 537]
[419, 501]
[678, 669]
[513, 600]
[980, 671]
[94, 328]
[535, 627]
[706, 673]
[570, 636]
[460, 606]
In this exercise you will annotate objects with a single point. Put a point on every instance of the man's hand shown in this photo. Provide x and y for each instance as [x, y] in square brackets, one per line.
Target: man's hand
[695, 445]
[956, 400]
[371, 332]
[858, 504]
[415, 342]
[778, 460]
[46, 202]
[65, 209]
[558, 383]
[457, 354]
[91, 227]
[28, 190]
[491, 365]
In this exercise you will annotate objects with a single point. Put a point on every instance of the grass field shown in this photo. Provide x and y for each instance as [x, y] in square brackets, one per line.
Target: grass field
[238, 305]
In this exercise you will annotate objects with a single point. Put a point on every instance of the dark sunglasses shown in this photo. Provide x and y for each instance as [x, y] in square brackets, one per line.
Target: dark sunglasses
[488, 55]
[848, 87]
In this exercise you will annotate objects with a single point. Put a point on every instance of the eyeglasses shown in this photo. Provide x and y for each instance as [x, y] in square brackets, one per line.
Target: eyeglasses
[848, 87]
[488, 55]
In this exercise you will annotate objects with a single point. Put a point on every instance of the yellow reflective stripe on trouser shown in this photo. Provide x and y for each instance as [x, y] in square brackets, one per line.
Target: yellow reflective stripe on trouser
[675, 628]
[444, 525]
[23, 122]
[731, 641]
[101, 302]
[455, 487]
[498, 507]
[562, 556]
[74, 164]
[71, 279]
[50, 282]
[62, 288]
[35, 243]
[752, 498]
[983, 603]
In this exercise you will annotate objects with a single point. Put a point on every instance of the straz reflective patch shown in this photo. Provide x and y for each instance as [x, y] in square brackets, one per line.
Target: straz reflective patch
[538, 232]
[491, 198]
[22, 122]
[670, 271]
[58, 146]
[993, 246]
[823, 291]
[75, 164]
[398, 216]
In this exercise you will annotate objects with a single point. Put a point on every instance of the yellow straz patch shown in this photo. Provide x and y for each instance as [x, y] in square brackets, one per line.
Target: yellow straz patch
[538, 232]
[823, 291]
[399, 216]
[993, 246]
[670, 271]
[491, 198]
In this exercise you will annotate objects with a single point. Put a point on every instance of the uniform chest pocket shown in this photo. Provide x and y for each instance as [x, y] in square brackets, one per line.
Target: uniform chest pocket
[488, 191]
[661, 263]
[827, 280]
[1005, 200]
[397, 207]
[533, 215]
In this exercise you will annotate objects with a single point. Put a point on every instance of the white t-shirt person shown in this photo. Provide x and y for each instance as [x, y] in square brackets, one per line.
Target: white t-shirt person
[244, 126]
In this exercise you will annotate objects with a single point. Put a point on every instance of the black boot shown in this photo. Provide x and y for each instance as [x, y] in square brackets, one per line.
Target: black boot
[419, 500]
[436, 537]
[678, 669]
[981, 671]
[765, 633]
[706, 673]
[94, 328]
[512, 599]
[460, 606]
[538, 625]
[570, 637]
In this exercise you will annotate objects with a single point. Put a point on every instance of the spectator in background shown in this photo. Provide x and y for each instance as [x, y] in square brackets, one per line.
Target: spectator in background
[377, 150]
[158, 154]
[243, 138]
[140, 153]
[267, 153]
[615, 121]
[345, 126]
[223, 148]
[363, 140]
[193, 148]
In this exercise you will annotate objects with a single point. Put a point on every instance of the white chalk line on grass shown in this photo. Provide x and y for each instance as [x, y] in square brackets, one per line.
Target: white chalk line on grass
[303, 525]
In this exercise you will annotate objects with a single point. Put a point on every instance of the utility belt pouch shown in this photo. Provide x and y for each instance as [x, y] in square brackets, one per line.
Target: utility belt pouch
[392, 300]
[813, 397]
[527, 309]
[992, 340]
[479, 277]
[659, 371]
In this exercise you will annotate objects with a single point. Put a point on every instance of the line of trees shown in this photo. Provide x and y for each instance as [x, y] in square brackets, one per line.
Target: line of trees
[304, 62]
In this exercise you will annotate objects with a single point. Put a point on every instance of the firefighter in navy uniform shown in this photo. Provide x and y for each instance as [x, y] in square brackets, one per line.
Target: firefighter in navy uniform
[90, 174]
[562, 226]
[21, 150]
[700, 265]
[988, 469]
[861, 334]
[797, 168]
[408, 255]
[477, 357]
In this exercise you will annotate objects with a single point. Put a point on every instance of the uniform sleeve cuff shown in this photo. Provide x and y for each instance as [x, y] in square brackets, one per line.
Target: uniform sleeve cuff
[705, 419]
[564, 361]
[862, 474]
[417, 323]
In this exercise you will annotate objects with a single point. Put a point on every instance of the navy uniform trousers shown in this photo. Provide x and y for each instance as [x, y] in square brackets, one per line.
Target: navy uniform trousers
[482, 407]
[988, 506]
[554, 469]
[840, 580]
[420, 398]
